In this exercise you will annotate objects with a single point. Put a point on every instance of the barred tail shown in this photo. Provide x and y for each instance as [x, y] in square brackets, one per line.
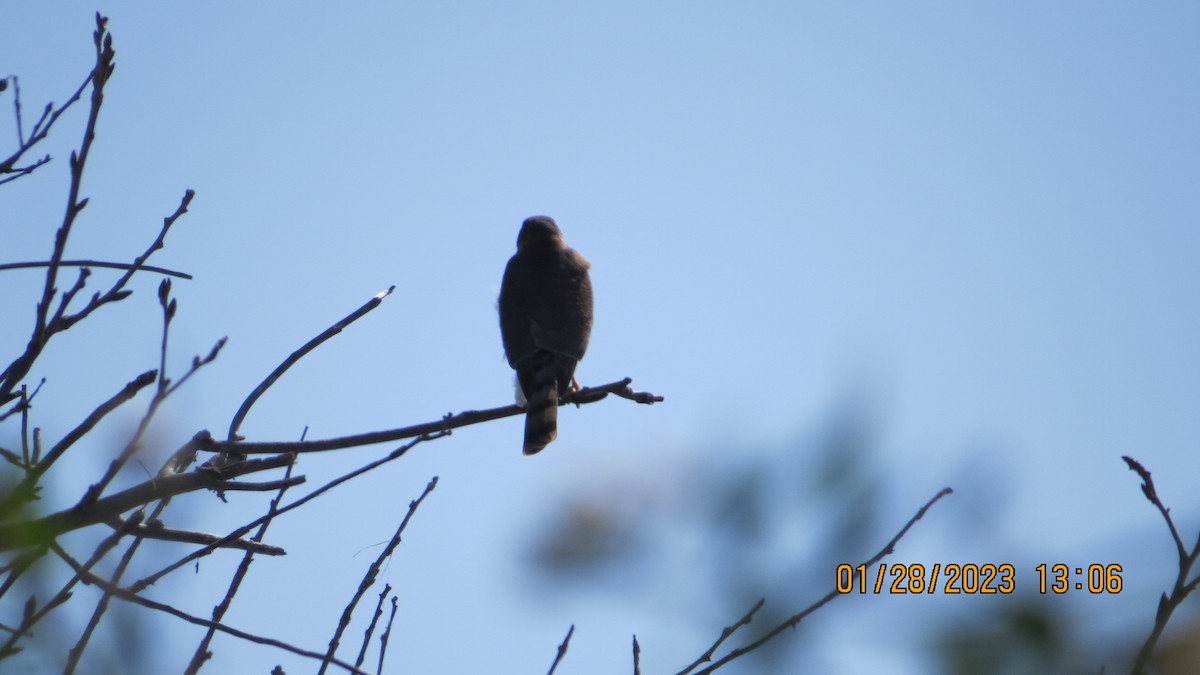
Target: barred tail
[541, 411]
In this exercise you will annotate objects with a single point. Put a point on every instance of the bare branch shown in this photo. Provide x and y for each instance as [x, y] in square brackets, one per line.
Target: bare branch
[202, 654]
[197, 363]
[729, 630]
[637, 657]
[450, 421]
[45, 529]
[154, 529]
[127, 596]
[41, 330]
[50, 115]
[1152, 495]
[362, 650]
[383, 639]
[96, 263]
[17, 108]
[117, 291]
[160, 394]
[562, 650]
[26, 489]
[299, 354]
[12, 458]
[126, 394]
[398, 452]
[17, 566]
[1167, 604]
[22, 406]
[373, 572]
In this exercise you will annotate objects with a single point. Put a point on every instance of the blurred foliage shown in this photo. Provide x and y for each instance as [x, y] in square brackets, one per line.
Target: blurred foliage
[745, 523]
[771, 522]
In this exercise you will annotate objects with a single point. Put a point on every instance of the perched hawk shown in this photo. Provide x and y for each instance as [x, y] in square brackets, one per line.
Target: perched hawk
[545, 321]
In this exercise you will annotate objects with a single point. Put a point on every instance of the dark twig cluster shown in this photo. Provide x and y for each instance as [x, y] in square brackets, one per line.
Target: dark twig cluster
[31, 534]
[371, 575]
[1183, 585]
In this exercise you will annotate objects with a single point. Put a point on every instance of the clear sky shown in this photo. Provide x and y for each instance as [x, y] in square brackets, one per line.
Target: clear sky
[983, 218]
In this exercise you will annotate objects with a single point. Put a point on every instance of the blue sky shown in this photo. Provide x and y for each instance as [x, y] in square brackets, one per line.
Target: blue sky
[982, 217]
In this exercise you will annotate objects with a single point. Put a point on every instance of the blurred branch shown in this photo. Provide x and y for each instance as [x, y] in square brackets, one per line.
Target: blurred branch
[637, 657]
[76, 651]
[1182, 587]
[299, 354]
[562, 650]
[368, 579]
[32, 615]
[795, 619]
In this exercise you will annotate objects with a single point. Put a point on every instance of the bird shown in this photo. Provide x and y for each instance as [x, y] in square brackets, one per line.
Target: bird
[545, 323]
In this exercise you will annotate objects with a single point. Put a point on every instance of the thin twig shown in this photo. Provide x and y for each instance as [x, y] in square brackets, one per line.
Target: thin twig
[41, 329]
[198, 363]
[562, 650]
[136, 599]
[368, 579]
[637, 657]
[19, 171]
[728, 630]
[1167, 604]
[96, 263]
[163, 390]
[22, 406]
[25, 490]
[398, 452]
[126, 394]
[362, 650]
[12, 458]
[17, 566]
[202, 654]
[49, 116]
[387, 634]
[299, 354]
[118, 291]
[797, 618]
[17, 108]
[156, 530]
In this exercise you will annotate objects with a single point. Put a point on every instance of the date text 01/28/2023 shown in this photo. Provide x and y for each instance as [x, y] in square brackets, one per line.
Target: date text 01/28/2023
[970, 578]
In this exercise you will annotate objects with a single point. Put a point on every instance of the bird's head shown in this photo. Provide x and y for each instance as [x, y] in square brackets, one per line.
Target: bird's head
[539, 231]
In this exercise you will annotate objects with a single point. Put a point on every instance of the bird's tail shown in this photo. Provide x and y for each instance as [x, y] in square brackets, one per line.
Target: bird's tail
[541, 410]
